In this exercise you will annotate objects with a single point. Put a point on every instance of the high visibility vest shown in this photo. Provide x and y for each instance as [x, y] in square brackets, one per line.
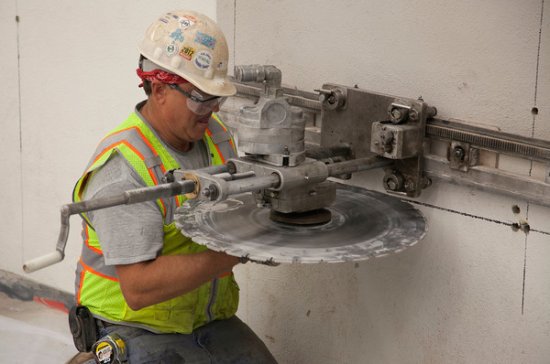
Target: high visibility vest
[97, 285]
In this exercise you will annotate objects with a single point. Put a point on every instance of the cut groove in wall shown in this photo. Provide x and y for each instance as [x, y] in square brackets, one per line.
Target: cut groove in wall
[538, 64]
[474, 216]
[234, 31]
[524, 277]
[20, 120]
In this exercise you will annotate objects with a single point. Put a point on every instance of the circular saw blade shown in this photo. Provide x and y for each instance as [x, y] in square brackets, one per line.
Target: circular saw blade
[364, 224]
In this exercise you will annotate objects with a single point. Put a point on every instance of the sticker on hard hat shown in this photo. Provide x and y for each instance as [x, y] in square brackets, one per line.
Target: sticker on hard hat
[187, 21]
[177, 35]
[203, 59]
[171, 49]
[187, 52]
[205, 40]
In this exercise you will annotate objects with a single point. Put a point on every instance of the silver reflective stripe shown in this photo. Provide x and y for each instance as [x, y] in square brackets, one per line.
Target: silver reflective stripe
[79, 267]
[77, 280]
[170, 205]
[96, 261]
[224, 138]
[212, 298]
[153, 161]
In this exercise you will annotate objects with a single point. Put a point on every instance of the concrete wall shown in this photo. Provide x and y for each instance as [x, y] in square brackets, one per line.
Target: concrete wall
[473, 291]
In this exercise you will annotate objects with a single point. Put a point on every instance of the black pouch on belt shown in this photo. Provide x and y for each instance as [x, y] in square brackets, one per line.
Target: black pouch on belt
[83, 328]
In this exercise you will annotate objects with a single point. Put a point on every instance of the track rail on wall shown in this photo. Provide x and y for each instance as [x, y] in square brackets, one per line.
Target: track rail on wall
[464, 142]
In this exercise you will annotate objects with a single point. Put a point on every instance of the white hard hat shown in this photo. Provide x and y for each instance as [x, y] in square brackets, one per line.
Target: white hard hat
[192, 46]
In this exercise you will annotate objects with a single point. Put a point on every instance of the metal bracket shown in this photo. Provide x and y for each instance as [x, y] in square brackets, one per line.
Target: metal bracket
[461, 156]
[333, 97]
[377, 124]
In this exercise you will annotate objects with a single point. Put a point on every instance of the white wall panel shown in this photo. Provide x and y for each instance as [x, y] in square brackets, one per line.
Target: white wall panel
[537, 296]
[474, 65]
[10, 158]
[469, 292]
[542, 119]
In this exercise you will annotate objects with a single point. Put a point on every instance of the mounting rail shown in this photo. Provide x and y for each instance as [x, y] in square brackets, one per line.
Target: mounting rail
[461, 165]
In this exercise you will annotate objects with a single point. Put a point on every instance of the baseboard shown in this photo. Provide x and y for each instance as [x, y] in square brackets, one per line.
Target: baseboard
[24, 289]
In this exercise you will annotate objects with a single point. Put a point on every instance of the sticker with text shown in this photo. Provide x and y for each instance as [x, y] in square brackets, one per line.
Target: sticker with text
[205, 40]
[203, 60]
[187, 52]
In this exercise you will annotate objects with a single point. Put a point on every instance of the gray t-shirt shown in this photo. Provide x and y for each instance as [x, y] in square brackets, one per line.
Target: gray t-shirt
[132, 233]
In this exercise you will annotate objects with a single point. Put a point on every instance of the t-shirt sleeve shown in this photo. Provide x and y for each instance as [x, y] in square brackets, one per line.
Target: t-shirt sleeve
[127, 233]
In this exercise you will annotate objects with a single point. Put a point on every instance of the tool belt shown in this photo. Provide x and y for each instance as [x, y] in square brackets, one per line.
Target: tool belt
[83, 328]
[110, 349]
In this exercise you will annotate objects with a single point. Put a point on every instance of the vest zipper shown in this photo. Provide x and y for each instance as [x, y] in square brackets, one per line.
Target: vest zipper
[212, 298]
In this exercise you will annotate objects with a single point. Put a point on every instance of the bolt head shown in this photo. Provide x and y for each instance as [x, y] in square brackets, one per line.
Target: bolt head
[459, 153]
[410, 185]
[396, 113]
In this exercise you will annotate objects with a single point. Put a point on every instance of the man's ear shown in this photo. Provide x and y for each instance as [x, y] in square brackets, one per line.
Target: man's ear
[159, 92]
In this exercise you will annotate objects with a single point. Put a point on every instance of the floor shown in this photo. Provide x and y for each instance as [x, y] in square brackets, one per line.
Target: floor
[32, 332]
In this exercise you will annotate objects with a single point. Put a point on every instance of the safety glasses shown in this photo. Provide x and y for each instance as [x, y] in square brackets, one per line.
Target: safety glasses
[198, 102]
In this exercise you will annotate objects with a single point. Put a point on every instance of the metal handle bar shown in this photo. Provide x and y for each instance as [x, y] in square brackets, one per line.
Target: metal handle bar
[127, 198]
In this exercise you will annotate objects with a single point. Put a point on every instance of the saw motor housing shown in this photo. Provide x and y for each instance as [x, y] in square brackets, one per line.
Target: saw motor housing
[271, 134]
[271, 139]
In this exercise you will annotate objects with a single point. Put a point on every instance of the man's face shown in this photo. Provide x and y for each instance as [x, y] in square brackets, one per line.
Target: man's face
[185, 122]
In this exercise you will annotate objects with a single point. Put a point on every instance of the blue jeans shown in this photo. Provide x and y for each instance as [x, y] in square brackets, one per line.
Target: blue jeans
[224, 341]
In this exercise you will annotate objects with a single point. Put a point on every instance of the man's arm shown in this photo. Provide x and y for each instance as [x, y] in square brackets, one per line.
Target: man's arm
[132, 237]
[166, 277]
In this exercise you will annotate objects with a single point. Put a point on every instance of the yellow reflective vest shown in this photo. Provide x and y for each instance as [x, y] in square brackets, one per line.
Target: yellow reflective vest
[97, 285]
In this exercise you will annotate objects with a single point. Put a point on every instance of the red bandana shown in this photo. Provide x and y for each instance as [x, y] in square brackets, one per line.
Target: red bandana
[161, 76]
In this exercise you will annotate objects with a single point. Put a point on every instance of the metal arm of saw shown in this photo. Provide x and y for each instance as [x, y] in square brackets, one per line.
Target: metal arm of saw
[212, 183]
[137, 195]
[248, 175]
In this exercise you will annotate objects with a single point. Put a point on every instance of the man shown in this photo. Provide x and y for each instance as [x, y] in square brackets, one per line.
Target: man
[166, 298]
